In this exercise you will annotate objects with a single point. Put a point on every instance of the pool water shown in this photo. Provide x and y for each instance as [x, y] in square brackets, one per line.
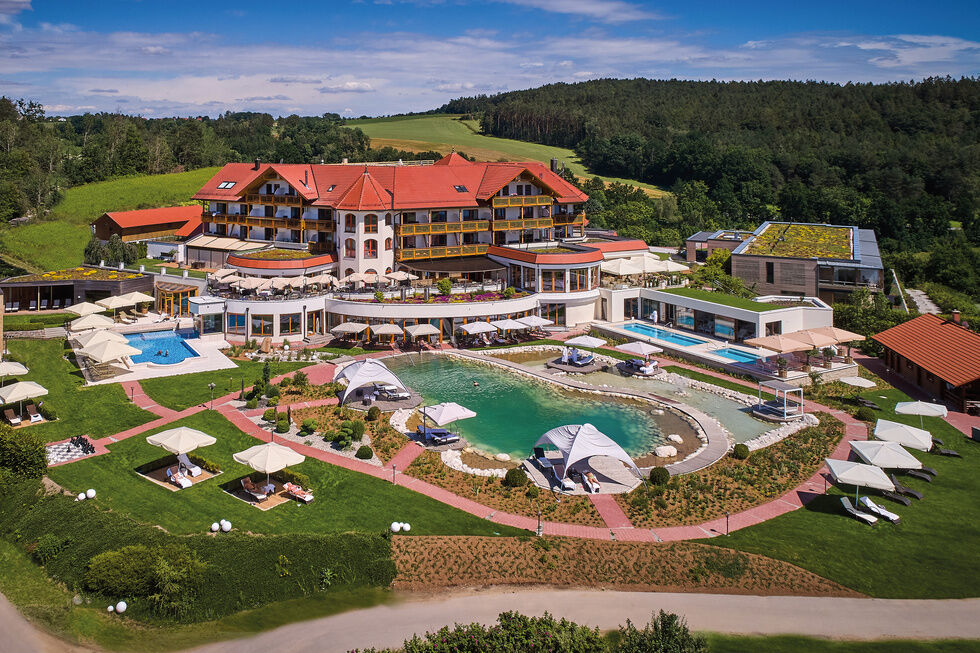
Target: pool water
[664, 335]
[736, 355]
[161, 347]
[512, 411]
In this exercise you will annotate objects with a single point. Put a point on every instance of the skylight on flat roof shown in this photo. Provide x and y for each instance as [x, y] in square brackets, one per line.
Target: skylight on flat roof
[226, 184]
[460, 189]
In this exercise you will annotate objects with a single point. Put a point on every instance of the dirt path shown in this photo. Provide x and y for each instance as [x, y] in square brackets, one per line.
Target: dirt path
[17, 635]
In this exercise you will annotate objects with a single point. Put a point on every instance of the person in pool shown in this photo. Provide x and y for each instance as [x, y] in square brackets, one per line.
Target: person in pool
[159, 352]
[166, 353]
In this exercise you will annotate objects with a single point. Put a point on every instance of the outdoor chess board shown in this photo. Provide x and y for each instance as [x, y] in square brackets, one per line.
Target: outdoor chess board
[64, 452]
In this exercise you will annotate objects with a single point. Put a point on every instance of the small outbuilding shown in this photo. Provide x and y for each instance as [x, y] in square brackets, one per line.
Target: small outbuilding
[145, 224]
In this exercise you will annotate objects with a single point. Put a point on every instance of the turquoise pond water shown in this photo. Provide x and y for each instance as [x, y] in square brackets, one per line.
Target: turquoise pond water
[161, 347]
[512, 411]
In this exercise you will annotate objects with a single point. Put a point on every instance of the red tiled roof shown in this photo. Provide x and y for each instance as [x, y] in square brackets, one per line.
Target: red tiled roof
[365, 194]
[190, 227]
[242, 174]
[453, 159]
[946, 349]
[152, 217]
[619, 245]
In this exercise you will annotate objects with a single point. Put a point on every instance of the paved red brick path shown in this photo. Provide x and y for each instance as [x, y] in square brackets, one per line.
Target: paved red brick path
[405, 456]
[136, 394]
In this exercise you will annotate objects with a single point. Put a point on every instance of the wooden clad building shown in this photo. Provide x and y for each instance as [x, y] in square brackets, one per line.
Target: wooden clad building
[144, 224]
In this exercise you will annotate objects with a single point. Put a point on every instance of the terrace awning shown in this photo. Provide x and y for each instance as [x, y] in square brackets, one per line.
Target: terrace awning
[474, 328]
[578, 442]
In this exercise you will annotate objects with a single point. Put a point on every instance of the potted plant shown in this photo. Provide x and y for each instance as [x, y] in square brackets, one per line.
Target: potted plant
[828, 356]
[813, 352]
[782, 365]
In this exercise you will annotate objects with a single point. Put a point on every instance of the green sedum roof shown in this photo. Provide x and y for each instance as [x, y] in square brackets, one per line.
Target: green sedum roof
[722, 298]
[803, 241]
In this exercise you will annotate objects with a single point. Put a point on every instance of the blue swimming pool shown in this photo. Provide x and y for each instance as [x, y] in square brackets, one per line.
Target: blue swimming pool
[162, 347]
[664, 335]
[736, 355]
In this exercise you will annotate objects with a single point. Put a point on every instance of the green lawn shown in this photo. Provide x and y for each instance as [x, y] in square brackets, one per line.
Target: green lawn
[707, 378]
[96, 411]
[443, 132]
[931, 554]
[722, 298]
[186, 390]
[153, 265]
[796, 644]
[58, 241]
[345, 500]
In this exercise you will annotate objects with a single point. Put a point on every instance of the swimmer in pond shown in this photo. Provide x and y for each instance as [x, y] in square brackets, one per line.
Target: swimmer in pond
[476, 384]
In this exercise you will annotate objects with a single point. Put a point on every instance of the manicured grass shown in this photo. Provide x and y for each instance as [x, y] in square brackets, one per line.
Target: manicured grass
[96, 411]
[707, 378]
[796, 643]
[186, 390]
[931, 554]
[443, 132]
[59, 240]
[722, 298]
[32, 321]
[345, 500]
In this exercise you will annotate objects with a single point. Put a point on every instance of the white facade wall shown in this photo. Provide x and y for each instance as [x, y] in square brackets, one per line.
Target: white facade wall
[359, 262]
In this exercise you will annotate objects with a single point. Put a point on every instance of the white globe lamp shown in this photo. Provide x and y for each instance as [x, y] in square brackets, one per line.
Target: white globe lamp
[90, 493]
[121, 607]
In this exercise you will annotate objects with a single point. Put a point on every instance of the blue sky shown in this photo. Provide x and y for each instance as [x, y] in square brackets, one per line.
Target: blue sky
[375, 57]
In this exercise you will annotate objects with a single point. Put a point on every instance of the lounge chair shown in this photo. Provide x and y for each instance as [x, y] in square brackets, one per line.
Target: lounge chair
[929, 470]
[946, 452]
[185, 463]
[915, 473]
[870, 520]
[16, 306]
[867, 504]
[178, 479]
[44, 304]
[867, 403]
[33, 305]
[253, 490]
[897, 498]
[12, 417]
[298, 492]
[937, 442]
[35, 416]
[561, 480]
[590, 483]
[542, 459]
[906, 491]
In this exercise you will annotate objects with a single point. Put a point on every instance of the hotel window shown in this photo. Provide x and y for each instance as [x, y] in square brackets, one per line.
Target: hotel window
[631, 308]
[236, 323]
[389, 244]
[323, 214]
[470, 214]
[370, 248]
[262, 325]
[505, 191]
[520, 189]
[500, 214]
[409, 218]
[370, 224]
[594, 273]
[350, 223]
[530, 279]
[270, 211]
[552, 281]
[554, 312]
[770, 272]
[578, 279]
[350, 249]
[289, 324]
[387, 219]
[437, 216]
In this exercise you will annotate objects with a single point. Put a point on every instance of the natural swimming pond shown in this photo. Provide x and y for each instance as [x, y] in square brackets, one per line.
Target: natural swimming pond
[513, 411]
[161, 347]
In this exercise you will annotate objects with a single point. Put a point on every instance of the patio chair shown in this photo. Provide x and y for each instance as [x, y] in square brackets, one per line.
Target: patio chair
[185, 464]
[867, 403]
[901, 489]
[897, 498]
[946, 452]
[178, 479]
[915, 473]
[33, 305]
[16, 307]
[870, 520]
[35, 416]
[12, 417]
[253, 490]
[298, 492]
[867, 504]
[561, 480]
[937, 441]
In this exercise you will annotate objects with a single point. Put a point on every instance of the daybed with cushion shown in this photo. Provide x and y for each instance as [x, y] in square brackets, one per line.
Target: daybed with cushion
[253, 490]
[178, 479]
[188, 466]
[298, 492]
[542, 459]
[874, 508]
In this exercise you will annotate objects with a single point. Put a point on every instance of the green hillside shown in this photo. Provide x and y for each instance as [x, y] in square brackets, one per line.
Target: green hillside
[443, 132]
[59, 240]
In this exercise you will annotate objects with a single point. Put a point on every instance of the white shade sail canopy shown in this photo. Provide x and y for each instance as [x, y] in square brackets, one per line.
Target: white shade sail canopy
[887, 455]
[814, 339]
[280, 283]
[20, 391]
[858, 474]
[364, 373]
[508, 325]
[903, 434]
[96, 336]
[108, 350]
[181, 440]
[639, 348]
[417, 330]
[137, 297]
[534, 321]
[114, 302]
[621, 267]
[349, 327]
[653, 265]
[578, 442]
[8, 368]
[269, 457]
[91, 321]
[401, 275]
[386, 330]
[232, 279]
[85, 308]
[447, 412]
[255, 283]
[585, 341]
[474, 328]
[922, 408]
[778, 343]
[858, 381]
[223, 272]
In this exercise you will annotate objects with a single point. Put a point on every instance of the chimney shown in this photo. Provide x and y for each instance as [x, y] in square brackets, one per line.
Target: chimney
[956, 316]
[554, 165]
[255, 166]
[306, 178]
[344, 161]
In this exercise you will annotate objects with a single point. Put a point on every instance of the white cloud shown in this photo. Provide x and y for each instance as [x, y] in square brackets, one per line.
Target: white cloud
[606, 11]
[347, 87]
[295, 80]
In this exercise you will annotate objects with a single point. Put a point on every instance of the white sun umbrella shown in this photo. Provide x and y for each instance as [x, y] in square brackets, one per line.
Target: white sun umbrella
[255, 283]
[642, 348]
[903, 434]
[232, 279]
[654, 266]
[509, 325]
[96, 336]
[401, 275]
[323, 279]
[858, 382]
[474, 328]
[108, 350]
[920, 408]
[114, 302]
[91, 321]
[447, 412]
[85, 308]
[181, 440]
[859, 475]
[386, 330]
[280, 283]
[621, 267]
[20, 391]
[8, 368]
[887, 455]
[534, 321]
[348, 327]
[424, 329]
[223, 272]
[585, 341]
[269, 457]
[137, 297]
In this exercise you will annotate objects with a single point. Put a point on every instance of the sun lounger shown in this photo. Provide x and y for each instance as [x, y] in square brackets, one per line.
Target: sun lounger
[562, 481]
[870, 520]
[16, 306]
[298, 492]
[914, 473]
[867, 403]
[44, 304]
[56, 303]
[929, 470]
[542, 459]
[901, 489]
[178, 479]
[253, 490]
[897, 498]
[35, 416]
[12, 417]
[867, 504]
[189, 467]
[946, 452]
[590, 483]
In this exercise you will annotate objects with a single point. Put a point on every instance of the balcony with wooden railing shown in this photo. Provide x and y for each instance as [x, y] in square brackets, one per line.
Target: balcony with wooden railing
[427, 228]
[260, 198]
[417, 253]
[528, 223]
[257, 221]
[564, 219]
[522, 200]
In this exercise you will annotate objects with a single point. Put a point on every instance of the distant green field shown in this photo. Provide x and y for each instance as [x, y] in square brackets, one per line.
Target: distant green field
[58, 241]
[443, 132]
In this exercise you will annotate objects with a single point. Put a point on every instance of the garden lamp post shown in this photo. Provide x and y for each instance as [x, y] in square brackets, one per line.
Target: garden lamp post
[540, 530]
[726, 523]
[211, 387]
[393, 474]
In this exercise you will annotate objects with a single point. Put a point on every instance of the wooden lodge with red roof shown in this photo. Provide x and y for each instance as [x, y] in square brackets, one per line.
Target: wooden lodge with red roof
[940, 357]
[146, 224]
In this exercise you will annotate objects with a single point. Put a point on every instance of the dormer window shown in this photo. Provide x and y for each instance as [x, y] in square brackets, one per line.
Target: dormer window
[460, 189]
[332, 186]
[226, 185]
